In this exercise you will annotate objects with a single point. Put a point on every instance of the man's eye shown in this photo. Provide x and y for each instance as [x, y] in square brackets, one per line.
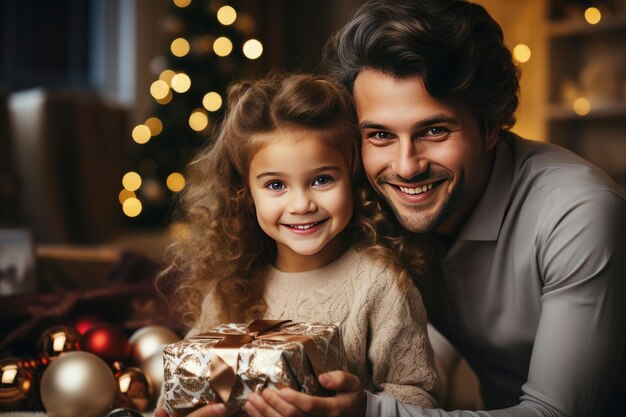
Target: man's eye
[380, 135]
[435, 133]
[275, 186]
[322, 180]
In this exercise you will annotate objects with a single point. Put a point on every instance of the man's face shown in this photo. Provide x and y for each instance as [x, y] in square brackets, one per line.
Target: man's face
[426, 157]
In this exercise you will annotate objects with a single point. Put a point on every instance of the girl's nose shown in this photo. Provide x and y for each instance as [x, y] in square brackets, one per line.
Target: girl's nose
[301, 202]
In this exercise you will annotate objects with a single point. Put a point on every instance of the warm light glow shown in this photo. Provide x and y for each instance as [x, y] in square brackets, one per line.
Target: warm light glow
[252, 49]
[155, 125]
[167, 76]
[198, 120]
[159, 89]
[152, 190]
[212, 101]
[9, 373]
[593, 15]
[167, 98]
[206, 43]
[582, 106]
[124, 382]
[179, 47]
[178, 230]
[132, 207]
[226, 15]
[125, 195]
[521, 53]
[181, 82]
[182, 3]
[131, 181]
[141, 134]
[222, 46]
[175, 182]
[58, 341]
[73, 375]
[245, 24]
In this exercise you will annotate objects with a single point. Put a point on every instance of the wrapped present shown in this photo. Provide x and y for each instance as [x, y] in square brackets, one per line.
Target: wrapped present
[229, 362]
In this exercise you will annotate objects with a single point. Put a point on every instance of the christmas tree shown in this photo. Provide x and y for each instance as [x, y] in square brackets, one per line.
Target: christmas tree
[211, 43]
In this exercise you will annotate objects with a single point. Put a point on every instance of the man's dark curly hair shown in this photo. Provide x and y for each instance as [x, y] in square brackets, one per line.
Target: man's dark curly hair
[455, 46]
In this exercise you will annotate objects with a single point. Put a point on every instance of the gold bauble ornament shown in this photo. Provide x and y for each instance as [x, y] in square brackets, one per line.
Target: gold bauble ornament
[148, 340]
[17, 385]
[133, 388]
[153, 369]
[78, 384]
[57, 340]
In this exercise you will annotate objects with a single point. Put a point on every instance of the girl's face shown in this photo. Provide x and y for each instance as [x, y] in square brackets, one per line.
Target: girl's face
[301, 189]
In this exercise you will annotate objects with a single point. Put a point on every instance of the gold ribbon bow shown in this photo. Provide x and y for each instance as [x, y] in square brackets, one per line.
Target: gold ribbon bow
[225, 353]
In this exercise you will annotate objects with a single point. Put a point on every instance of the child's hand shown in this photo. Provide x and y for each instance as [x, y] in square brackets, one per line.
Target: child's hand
[210, 410]
[349, 401]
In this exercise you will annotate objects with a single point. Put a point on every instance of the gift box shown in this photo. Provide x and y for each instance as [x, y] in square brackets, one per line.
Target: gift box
[229, 362]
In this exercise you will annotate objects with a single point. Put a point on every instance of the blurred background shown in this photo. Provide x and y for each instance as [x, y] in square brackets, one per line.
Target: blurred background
[104, 102]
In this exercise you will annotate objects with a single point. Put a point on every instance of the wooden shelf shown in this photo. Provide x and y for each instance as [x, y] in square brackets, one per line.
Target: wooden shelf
[581, 27]
[561, 112]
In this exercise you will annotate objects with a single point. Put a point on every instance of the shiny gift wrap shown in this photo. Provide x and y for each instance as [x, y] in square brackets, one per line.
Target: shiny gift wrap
[233, 360]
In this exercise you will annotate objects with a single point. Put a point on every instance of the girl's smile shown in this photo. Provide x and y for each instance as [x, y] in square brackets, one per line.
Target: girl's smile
[305, 228]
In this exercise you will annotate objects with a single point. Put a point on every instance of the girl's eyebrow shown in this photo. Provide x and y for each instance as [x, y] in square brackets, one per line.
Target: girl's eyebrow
[315, 171]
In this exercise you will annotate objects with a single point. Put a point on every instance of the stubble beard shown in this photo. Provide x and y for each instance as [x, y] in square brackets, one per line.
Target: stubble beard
[419, 220]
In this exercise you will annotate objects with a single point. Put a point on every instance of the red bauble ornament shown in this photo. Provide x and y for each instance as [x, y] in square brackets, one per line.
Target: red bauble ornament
[107, 341]
[86, 322]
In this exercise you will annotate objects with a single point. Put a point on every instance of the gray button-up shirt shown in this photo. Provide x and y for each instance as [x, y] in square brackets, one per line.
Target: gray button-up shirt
[535, 287]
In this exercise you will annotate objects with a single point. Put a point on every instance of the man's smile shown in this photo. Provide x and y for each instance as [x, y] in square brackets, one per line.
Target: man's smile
[416, 190]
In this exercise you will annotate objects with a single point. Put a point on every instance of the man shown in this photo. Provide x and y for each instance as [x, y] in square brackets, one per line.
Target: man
[534, 271]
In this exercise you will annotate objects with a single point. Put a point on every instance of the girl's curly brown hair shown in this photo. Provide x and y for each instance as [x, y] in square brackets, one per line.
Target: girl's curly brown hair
[224, 247]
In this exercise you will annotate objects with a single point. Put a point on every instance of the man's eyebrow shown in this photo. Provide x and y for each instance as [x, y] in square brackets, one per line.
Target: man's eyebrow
[366, 124]
[434, 120]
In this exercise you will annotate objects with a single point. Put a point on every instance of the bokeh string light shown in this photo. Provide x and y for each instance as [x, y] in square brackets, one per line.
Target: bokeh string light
[209, 43]
[593, 15]
[212, 101]
[252, 49]
[581, 106]
[521, 53]
[179, 47]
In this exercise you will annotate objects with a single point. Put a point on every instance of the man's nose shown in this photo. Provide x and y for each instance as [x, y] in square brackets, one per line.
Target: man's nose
[410, 160]
[301, 202]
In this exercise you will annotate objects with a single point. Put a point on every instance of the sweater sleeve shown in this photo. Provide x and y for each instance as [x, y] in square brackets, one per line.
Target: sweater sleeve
[399, 352]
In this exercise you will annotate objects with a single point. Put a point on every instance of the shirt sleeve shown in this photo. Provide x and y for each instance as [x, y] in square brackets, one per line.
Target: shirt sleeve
[581, 334]
[447, 358]
[399, 352]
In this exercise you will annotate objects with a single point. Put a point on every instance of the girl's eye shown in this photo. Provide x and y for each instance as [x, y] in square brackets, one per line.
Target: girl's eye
[275, 186]
[322, 180]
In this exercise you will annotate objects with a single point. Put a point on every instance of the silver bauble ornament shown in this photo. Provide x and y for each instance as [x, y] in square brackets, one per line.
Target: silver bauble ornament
[78, 384]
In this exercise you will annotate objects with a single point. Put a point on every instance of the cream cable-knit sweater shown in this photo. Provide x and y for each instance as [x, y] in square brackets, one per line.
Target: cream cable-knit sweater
[384, 331]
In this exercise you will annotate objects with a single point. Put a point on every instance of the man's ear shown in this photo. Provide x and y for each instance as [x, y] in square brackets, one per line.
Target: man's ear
[492, 134]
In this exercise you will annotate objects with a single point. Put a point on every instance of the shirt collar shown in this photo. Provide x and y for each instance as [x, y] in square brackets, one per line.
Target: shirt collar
[485, 220]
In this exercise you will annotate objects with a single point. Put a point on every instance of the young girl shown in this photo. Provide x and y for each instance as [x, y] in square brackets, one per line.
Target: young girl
[280, 226]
